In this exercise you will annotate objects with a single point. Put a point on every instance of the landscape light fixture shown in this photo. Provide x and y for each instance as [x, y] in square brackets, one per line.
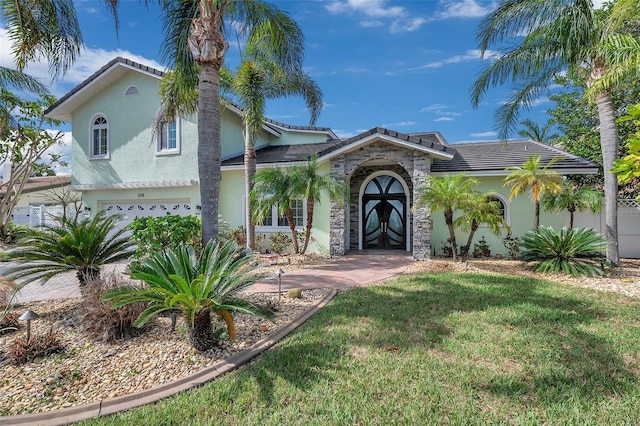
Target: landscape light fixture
[279, 272]
[28, 316]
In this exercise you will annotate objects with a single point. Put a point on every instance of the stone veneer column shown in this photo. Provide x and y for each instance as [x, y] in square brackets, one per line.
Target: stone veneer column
[338, 218]
[422, 215]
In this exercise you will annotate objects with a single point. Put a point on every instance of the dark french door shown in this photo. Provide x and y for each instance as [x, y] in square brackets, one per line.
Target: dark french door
[384, 214]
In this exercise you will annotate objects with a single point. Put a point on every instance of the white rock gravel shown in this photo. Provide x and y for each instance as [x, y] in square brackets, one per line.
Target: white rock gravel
[88, 371]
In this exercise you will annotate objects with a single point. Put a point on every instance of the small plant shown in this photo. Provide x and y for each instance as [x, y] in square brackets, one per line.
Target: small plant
[279, 242]
[8, 322]
[294, 293]
[15, 232]
[23, 351]
[481, 248]
[578, 251]
[101, 321]
[512, 245]
[238, 236]
[447, 250]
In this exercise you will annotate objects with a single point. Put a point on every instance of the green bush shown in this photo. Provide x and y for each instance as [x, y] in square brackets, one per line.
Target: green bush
[159, 234]
[481, 249]
[579, 251]
[279, 242]
[512, 244]
[238, 236]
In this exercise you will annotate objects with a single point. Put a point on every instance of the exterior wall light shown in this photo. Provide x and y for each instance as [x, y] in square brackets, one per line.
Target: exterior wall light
[198, 210]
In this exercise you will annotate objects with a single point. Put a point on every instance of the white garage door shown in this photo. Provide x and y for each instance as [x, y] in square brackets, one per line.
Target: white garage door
[628, 226]
[133, 209]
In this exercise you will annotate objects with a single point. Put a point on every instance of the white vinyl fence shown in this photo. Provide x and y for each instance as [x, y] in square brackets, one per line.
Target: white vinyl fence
[35, 216]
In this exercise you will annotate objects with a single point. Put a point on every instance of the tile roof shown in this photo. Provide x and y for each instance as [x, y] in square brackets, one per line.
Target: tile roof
[496, 156]
[34, 184]
[280, 154]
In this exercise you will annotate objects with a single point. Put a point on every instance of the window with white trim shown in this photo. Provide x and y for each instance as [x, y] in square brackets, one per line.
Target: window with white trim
[299, 210]
[131, 91]
[99, 137]
[168, 136]
[502, 205]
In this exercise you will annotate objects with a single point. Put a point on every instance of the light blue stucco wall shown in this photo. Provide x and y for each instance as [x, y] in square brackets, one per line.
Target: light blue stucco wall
[520, 217]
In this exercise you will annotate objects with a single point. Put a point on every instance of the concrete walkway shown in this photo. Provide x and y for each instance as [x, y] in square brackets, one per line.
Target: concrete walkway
[360, 268]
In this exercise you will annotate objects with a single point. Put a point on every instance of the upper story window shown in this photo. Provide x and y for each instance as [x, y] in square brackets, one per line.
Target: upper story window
[168, 137]
[131, 91]
[99, 137]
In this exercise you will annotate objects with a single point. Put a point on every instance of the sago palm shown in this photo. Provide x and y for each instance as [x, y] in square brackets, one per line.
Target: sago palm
[447, 193]
[83, 247]
[529, 42]
[198, 286]
[536, 179]
[573, 198]
[578, 251]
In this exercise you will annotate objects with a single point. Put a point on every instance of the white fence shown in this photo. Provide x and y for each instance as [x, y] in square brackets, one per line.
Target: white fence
[35, 216]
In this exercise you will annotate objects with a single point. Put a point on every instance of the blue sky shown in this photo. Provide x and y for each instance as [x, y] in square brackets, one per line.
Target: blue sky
[403, 65]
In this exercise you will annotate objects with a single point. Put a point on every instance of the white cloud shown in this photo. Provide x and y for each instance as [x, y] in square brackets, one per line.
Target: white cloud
[463, 9]
[434, 107]
[448, 113]
[469, 55]
[484, 134]
[444, 119]
[398, 124]
[378, 13]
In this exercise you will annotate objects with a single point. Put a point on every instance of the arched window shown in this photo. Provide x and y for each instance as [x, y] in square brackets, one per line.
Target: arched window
[131, 91]
[502, 206]
[99, 137]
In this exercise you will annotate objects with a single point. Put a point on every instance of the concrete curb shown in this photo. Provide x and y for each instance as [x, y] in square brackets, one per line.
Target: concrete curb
[126, 402]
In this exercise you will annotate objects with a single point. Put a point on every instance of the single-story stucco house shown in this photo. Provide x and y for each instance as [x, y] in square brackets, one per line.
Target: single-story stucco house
[120, 165]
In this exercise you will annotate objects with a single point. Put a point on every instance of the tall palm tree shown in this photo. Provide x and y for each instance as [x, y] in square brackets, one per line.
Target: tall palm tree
[258, 78]
[447, 193]
[273, 188]
[535, 178]
[533, 131]
[544, 38]
[479, 209]
[309, 184]
[572, 198]
[195, 47]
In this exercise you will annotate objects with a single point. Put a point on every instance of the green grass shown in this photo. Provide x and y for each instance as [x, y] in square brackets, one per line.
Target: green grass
[435, 349]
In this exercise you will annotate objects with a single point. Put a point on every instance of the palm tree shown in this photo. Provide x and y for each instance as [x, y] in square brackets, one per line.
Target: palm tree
[309, 185]
[572, 198]
[534, 132]
[195, 46]
[544, 38]
[479, 209]
[447, 193]
[260, 77]
[83, 247]
[195, 285]
[273, 188]
[538, 180]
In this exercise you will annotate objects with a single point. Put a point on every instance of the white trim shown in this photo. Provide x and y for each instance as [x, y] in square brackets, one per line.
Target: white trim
[481, 173]
[378, 136]
[265, 165]
[92, 155]
[158, 136]
[135, 185]
[407, 225]
[274, 220]
[507, 208]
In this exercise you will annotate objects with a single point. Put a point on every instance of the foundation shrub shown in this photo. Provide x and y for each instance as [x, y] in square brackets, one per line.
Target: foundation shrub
[103, 323]
[279, 242]
[159, 234]
[481, 249]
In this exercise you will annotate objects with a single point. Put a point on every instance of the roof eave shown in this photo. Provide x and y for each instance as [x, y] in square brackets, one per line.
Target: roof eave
[480, 173]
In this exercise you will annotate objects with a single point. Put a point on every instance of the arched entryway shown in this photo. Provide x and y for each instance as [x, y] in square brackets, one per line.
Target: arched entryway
[384, 212]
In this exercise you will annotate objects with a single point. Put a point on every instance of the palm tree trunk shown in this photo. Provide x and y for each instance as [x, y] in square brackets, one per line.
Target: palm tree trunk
[294, 235]
[208, 46]
[200, 335]
[536, 219]
[472, 232]
[609, 140]
[307, 233]
[249, 173]
[572, 209]
[448, 218]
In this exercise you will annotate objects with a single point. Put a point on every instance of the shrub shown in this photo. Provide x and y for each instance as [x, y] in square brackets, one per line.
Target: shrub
[578, 251]
[294, 293]
[15, 232]
[238, 236]
[447, 250]
[23, 351]
[159, 234]
[512, 245]
[279, 242]
[101, 321]
[481, 248]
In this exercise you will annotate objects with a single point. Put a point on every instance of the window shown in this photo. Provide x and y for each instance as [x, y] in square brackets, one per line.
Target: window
[168, 137]
[99, 137]
[131, 91]
[502, 206]
[298, 208]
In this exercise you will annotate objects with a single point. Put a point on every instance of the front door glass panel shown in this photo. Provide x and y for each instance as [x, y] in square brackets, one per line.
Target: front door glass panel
[384, 212]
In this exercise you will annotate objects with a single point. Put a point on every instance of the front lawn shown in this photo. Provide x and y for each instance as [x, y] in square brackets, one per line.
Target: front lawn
[435, 349]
